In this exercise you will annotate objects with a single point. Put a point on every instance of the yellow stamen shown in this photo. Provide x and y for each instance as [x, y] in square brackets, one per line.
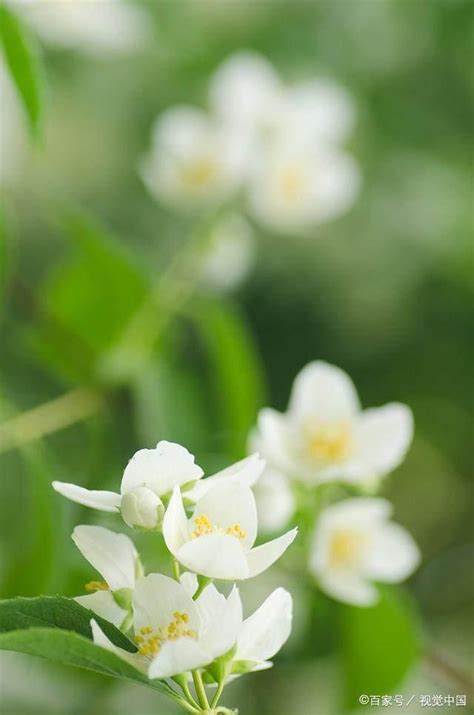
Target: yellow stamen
[345, 547]
[150, 641]
[204, 527]
[329, 442]
[292, 182]
[198, 173]
[96, 586]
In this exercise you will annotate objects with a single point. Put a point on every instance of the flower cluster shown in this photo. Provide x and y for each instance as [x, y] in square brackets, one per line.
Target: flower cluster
[277, 149]
[184, 627]
[325, 438]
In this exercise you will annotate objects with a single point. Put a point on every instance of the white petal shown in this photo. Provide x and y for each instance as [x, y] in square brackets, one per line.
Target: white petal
[189, 581]
[383, 436]
[338, 181]
[216, 555]
[247, 471]
[103, 501]
[221, 620]
[155, 600]
[393, 554]
[244, 89]
[229, 503]
[348, 587]
[112, 555]
[178, 656]
[321, 110]
[275, 501]
[323, 392]
[262, 557]
[358, 511]
[267, 629]
[104, 604]
[231, 254]
[103, 641]
[160, 469]
[180, 129]
[273, 438]
[142, 508]
[175, 523]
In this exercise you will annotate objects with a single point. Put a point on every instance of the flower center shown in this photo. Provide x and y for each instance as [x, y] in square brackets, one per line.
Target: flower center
[292, 182]
[329, 442]
[198, 173]
[204, 527]
[96, 586]
[345, 547]
[150, 640]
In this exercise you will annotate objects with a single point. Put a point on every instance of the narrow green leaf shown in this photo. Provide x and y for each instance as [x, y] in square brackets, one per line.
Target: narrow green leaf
[70, 648]
[379, 646]
[235, 371]
[56, 612]
[23, 59]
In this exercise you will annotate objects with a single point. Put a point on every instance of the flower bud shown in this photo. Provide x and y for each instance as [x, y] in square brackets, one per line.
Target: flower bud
[142, 508]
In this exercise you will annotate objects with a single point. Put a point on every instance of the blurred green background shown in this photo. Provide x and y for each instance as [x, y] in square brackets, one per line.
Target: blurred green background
[384, 292]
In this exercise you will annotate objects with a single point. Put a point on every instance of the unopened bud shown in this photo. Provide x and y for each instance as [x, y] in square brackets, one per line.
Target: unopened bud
[142, 508]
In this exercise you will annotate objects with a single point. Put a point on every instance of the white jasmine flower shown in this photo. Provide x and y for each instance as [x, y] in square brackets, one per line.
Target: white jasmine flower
[175, 634]
[193, 159]
[355, 544]
[264, 633]
[231, 253]
[114, 556]
[93, 26]
[274, 499]
[295, 185]
[217, 540]
[246, 471]
[324, 435]
[149, 475]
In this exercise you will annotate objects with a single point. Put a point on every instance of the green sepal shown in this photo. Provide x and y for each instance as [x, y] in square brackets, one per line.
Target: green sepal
[123, 598]
[239, 667]
[222, 666]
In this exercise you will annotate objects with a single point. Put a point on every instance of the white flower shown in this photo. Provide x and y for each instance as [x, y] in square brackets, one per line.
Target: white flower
[325, 436]
[295, 185]
[193, 159]
[264, 633]
[217, 540]
[275, 500]
[231, 254]
[114, 556]
[94, 26]
[175, 634]
[149, 475]
[246, 471]
[355, 544]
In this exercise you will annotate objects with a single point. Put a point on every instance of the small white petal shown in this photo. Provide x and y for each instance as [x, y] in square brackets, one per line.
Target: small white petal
[104, 604]
[177, 657]
[215, 555]
[262, 557]
[189, 581]
[175, 523]
[155, 600]
[273, 439]
[160, 469]
[247, 471]
[103, 641]
[229, 503]
[349, 587]
[323, 392]
[383, 436]
[101, 500]
[393, 554]
[112, 555]
[221, 620]
[267, 629]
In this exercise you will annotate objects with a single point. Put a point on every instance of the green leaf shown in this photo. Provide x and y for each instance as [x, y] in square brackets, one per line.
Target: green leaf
[56, 612]
[379, 646]
[23, 59]
[70, 648]
[235, 371]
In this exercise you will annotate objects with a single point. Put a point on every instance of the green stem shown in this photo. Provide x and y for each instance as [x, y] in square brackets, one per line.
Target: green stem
[200, 689]
[182, 681]
[176, 570]
[218, 693]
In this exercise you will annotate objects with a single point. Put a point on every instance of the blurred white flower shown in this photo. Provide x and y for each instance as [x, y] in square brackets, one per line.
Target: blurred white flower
[296, 185]
[355, 544]
[114, 556]
[92, 26]
[325, 436]
[231, 254]
[175, 634]
[13, 132]
[149, 475]
[275, 500]
[193, 159]
[246, 471]
[217, 540]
